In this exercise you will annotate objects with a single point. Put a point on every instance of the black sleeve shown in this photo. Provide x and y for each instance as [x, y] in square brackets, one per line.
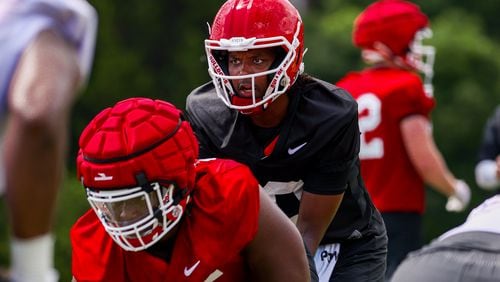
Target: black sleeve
[490, 144]
[336, 161]
[207, 150]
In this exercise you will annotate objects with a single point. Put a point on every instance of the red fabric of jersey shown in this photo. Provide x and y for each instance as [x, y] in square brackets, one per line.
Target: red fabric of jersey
[223, 220]
[385, 97]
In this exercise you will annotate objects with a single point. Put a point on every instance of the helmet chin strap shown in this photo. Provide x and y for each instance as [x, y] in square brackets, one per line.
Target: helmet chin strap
[179, 195]
[142, 181]
[245, 101]
[381, 54]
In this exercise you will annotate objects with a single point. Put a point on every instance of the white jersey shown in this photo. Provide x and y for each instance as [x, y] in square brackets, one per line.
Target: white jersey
[20, 23]
[483, 218]
[22, 20]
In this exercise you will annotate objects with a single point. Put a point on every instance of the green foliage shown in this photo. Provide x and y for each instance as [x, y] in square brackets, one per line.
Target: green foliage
[72, 205]
[328, 39]
[467, 88]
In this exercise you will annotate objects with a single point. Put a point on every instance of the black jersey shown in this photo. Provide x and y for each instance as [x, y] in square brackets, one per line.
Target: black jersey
[315, 149]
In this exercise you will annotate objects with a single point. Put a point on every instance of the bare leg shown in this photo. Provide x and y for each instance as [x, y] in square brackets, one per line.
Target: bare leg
[41, 95]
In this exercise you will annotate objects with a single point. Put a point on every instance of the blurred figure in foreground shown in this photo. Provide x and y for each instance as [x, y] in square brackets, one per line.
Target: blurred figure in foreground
[46, 52]
[469, 252]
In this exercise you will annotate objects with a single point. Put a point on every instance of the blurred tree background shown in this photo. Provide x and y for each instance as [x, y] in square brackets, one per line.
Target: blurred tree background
[155, 49]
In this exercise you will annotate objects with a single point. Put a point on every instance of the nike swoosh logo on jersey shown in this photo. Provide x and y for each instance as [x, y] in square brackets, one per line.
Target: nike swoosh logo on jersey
[292, 151]
[189, 271]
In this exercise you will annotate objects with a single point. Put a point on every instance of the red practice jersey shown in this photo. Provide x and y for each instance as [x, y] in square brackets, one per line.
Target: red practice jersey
[385, 97]
[222, 221]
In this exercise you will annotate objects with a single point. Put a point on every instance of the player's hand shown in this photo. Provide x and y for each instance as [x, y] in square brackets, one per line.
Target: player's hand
[459, 201]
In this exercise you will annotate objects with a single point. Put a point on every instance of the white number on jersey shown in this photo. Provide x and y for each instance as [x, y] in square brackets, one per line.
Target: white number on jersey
[370, 106]
[212, 277]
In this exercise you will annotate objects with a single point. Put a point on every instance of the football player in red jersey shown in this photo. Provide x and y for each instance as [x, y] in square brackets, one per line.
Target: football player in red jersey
[398, 154]
[159, 214]
[298, 134]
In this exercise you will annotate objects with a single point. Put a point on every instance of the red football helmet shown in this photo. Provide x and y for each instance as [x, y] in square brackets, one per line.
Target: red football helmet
[241, 25]
[137, 163]
[393, 30]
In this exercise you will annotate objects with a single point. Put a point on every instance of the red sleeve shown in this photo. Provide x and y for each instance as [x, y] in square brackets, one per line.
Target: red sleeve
[407, 96]
[225, 211]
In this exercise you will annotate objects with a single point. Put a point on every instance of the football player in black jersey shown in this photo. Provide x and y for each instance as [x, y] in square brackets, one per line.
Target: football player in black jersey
[298, 134]
[487, 170]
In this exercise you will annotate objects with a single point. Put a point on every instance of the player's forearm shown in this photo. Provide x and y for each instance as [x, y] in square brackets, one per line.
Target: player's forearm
[425, 156]
[432, 167]
[436, 174]
[315, 215]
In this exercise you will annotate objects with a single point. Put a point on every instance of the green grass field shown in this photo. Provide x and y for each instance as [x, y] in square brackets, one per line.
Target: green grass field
[71, 204]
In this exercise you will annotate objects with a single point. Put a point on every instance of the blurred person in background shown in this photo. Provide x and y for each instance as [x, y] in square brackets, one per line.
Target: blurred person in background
[398, 153]
[469, 252]
[46, 53]
[299, 135]
[487, 169]
[160, 214]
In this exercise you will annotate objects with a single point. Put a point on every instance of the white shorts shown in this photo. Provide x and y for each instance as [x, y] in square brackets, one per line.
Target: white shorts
[325, 259]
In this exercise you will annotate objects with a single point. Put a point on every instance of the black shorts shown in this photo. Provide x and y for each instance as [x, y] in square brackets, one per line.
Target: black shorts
[364, 258]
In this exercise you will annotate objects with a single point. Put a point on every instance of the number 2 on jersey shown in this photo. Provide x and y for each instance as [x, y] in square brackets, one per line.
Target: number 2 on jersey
[369, 108]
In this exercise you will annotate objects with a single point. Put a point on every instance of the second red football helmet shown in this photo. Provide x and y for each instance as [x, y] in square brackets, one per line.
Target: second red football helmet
[137, 163]
[393, 30]
[391, 22]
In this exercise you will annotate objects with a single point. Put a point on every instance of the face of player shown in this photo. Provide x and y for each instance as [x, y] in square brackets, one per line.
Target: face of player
[126, 212]
[250, 62]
